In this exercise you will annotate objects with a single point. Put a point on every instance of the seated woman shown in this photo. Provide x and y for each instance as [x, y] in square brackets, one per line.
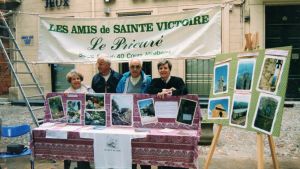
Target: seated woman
[75, 78]
[167, 85]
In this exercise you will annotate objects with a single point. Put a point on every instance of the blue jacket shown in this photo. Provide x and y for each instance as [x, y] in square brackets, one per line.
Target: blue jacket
[123, 83]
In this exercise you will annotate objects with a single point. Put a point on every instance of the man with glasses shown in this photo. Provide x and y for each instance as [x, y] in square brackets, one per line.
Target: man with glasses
[107, 79]
[134, 81]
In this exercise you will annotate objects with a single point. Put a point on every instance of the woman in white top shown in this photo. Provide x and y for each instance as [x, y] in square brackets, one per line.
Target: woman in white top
[75, 78]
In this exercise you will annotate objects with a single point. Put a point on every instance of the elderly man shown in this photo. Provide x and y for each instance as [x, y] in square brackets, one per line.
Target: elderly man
[134, 81]
[107, 79]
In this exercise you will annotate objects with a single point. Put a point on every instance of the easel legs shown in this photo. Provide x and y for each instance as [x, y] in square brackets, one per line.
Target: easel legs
[260, 151]
[273, 153]
[213, 146]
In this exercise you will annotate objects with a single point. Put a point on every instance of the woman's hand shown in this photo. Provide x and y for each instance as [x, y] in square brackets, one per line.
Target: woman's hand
[164, 92]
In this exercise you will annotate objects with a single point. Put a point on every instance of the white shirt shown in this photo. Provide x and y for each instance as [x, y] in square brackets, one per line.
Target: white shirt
[112, 147]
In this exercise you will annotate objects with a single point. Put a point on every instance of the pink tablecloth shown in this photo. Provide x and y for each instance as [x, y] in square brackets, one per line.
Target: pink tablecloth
[178, 147]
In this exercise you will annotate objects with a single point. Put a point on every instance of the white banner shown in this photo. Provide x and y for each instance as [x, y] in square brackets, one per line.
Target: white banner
[186, 34]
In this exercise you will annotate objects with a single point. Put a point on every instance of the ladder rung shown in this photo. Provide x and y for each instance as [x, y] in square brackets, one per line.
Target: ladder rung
[41, 121]
[37, 108]
[12, 49]
[23, 72]
[39, 95]
[31, 84]
[16, 61]
[5, 37]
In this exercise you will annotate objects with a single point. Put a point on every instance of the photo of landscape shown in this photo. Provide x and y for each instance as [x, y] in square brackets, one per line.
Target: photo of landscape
[266, 113]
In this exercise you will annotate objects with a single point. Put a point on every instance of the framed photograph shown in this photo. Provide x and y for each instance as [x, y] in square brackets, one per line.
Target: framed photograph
[95, 117]
[121, 109]
[270, 75]
[239, 110]
[56, 107]
[186, 112]
[244, 75]
[221, 73]
[74, 111]
[147, 111]
[94, 101]
[266, 113]
[218, 108]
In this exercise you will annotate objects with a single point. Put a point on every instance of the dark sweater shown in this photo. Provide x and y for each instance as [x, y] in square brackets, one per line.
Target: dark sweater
[99, 84]
[158, 84]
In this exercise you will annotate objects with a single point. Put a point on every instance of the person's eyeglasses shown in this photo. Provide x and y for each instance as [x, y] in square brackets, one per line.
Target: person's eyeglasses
[135, 67]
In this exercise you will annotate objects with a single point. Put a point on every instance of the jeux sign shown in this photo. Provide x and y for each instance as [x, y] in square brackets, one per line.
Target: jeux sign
[56, 3]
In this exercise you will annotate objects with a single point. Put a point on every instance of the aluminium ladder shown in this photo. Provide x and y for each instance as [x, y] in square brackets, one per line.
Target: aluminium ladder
[24, 78]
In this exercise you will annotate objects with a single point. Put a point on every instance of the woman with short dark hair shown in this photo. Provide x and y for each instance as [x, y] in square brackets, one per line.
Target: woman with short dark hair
[166, 84]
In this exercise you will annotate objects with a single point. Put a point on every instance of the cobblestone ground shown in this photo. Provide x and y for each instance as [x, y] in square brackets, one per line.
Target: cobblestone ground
[236, 148]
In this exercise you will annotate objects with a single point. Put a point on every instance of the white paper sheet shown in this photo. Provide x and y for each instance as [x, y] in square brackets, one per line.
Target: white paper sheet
[166, 109]
[57, 134]
[115, 144]
[60, 133]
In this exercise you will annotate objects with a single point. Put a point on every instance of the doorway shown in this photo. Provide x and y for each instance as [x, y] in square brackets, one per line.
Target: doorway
[282, 29]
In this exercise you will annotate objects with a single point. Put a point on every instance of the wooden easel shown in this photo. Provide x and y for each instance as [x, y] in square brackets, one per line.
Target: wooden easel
[251, 43]
[260, 149]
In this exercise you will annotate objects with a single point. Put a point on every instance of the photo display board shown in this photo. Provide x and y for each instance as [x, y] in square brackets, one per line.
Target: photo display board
[248, 89]
[123, 110]
[65, 107]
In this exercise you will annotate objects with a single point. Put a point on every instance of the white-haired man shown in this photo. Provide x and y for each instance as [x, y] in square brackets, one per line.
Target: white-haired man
[107, 79]
[134, 81]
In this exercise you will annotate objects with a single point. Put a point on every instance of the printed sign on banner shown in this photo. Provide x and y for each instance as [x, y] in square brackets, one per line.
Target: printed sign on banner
[185, 34]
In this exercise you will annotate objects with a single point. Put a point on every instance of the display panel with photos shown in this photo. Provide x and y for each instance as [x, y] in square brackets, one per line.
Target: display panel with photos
[239, 110]
[74, 111]
[270, 75]
[147, 111]
[218, 108]
[56, 107]
[127, 108]
[220, 83]
[270, 69]
[121, 109]
[244, 75]
[186, 111]
[266, 113]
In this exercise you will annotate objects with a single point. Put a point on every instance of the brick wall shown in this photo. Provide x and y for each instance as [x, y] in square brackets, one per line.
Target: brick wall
[5, 77]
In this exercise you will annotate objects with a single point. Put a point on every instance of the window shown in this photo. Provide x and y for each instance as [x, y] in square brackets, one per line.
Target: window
[199, 74]
[58, 76]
